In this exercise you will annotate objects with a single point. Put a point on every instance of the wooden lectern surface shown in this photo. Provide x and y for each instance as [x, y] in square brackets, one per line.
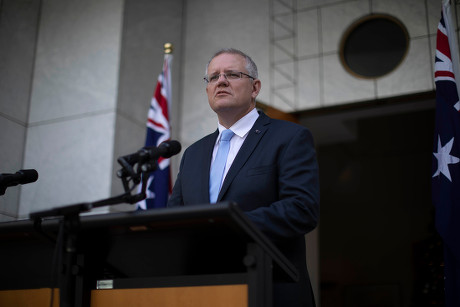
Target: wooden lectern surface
[196, 296]
[28, 298]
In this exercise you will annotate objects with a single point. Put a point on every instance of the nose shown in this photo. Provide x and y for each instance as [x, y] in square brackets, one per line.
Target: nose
[222, 79]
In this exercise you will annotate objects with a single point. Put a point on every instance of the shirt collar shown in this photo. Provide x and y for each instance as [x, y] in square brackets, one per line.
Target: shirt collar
[243, 125]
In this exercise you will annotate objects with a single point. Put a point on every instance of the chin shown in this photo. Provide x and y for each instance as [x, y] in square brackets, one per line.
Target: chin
[223, 105]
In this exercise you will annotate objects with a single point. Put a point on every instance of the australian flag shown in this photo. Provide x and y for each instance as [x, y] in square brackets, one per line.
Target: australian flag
[159, 184]
[446, 154]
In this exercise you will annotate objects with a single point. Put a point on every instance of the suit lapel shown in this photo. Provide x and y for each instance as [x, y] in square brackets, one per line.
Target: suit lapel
[254, 136]
[205, 162]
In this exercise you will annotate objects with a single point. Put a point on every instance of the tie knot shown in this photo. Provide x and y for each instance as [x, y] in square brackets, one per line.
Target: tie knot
[226, 135]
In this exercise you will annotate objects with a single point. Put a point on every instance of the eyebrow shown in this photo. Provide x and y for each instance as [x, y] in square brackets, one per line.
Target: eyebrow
[225, 71]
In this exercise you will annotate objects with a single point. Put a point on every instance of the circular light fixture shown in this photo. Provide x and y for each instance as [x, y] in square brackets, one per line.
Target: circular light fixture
[374, 46]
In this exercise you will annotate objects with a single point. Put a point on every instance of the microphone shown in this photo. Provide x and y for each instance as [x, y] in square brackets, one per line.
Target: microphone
[21, 177]
[166, 149]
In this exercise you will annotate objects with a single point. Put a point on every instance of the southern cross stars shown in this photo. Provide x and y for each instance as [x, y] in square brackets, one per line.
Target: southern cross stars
[444, 158]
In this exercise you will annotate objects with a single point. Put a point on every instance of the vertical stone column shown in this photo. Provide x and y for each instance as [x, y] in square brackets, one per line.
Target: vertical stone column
[70, 133]
[18, 34]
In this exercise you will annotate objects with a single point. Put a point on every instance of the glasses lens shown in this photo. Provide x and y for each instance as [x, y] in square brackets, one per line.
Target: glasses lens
[213, 78]
[233, 75]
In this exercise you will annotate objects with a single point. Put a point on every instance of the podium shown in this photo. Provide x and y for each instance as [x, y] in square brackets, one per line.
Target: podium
[204, 255]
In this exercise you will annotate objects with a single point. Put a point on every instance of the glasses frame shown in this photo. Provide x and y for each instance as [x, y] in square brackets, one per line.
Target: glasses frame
[206, 77]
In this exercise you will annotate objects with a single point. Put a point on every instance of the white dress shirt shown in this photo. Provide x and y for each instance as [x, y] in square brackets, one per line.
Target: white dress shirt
[241, 129]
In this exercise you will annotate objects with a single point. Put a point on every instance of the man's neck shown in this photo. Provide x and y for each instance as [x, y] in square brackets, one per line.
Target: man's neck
[228, 120]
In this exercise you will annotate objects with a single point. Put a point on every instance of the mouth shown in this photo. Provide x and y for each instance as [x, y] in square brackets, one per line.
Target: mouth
[222, 93]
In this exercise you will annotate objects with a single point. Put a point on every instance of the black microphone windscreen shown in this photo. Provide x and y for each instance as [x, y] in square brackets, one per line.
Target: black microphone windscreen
[27, 176]
[175, 147]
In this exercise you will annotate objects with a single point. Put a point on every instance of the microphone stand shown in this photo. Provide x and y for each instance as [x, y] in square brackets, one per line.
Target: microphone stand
[69, 269]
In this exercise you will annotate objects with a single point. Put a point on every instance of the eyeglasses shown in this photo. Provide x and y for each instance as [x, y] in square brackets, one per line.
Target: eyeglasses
[230, 76]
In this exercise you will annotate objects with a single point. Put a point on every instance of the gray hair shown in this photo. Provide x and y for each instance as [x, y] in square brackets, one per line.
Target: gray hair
[251, 67]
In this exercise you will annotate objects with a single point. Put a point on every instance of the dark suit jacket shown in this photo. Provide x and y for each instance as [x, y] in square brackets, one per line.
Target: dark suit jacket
[274, 179]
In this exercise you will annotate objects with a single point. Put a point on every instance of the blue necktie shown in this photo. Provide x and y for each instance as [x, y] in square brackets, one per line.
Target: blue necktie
[218, 167]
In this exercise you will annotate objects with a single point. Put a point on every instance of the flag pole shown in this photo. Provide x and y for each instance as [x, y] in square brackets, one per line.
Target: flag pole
[168, 48]
[168, 51]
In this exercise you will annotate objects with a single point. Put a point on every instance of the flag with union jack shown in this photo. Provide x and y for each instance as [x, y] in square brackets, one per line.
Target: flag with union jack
[159, 183]
[446, 153]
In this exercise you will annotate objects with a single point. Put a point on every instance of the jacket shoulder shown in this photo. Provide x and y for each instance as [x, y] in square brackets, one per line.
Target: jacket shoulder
[280, 125]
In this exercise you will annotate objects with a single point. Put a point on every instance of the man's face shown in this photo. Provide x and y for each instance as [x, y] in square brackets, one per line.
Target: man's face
[234, 98]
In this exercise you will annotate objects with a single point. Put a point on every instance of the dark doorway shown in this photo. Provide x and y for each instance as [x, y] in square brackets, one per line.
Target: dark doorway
[378, 246]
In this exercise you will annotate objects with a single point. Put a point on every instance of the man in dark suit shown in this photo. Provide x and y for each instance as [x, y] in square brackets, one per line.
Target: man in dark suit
[270, 170]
